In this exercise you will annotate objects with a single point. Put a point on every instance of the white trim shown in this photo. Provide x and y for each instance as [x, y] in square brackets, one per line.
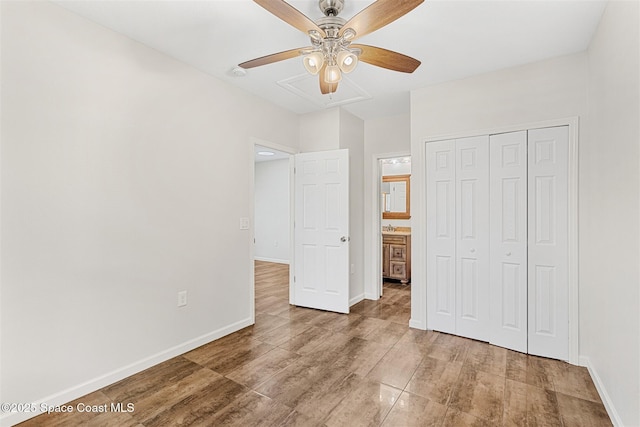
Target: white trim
[274, 260]
[602, 391]
[97, 383]
[573, 123]
[418, 240]
[356, 299]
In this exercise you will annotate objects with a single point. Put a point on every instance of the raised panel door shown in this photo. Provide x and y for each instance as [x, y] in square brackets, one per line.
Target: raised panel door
[508, 241]
[548, 242]
[321, 256]
[472, 237]
[441, 235]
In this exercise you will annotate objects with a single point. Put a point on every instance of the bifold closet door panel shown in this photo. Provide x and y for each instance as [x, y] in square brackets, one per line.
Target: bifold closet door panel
[441, 235]
[472, 238]
[548, 242]
[508, 241]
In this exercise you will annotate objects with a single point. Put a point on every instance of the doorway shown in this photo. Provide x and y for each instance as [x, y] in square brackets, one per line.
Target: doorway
[393, 227]
[271, 209]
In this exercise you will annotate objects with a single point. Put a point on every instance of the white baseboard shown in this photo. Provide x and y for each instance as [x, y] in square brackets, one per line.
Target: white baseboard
[602, 391]
[356, 299]
[416, 324]
[73, 393]
[275, 260]
[372, 296]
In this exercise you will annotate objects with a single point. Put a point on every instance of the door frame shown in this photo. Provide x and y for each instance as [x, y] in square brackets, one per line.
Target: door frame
[373, 289]
[252, 215]
[572, 170]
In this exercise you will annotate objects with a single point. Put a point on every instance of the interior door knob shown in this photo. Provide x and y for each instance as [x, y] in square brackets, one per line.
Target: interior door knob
[472, 250]
[508, 253]
[344, 239]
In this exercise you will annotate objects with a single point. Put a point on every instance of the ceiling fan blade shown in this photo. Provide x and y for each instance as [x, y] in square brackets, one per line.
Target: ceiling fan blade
[290, 15]
[325, 87]
[386, 58]
[379, 14]
[274, 57]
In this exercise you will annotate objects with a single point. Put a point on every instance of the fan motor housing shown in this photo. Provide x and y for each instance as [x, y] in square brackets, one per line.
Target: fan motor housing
[331, 7]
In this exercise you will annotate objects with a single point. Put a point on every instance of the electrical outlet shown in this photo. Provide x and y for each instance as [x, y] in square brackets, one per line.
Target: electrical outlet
[182, 298]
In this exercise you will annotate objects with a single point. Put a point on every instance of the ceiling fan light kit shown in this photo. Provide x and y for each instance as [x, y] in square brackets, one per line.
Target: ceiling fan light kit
[331, 52]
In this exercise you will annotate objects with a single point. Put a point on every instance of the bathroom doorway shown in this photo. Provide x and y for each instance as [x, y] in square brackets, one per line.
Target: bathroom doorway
[394, 230]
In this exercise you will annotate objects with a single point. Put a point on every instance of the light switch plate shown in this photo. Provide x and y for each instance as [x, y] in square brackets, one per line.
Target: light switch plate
[244, 223]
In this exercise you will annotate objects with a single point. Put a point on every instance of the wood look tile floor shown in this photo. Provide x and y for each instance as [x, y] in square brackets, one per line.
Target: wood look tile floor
[303, 367]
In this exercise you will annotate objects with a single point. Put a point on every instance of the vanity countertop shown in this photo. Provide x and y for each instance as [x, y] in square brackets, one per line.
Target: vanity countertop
[398, 231]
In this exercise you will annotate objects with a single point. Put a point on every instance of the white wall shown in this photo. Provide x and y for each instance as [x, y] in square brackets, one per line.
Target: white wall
[384, 137]
[610, 212]
[545, 90]
[272, 209]
[112, 160]
[320, 131]
[352, 137]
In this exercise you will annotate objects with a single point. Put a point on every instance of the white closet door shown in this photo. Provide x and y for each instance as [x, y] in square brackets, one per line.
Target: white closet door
[548, 246]
[441, 235]
[508, 277]
[472, 243]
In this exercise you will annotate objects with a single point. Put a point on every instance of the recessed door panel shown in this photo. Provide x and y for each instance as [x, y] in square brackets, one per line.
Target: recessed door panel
[444, 204]
[511, 294]
[468, 210]
[545, 200]
[445, 285]
[469, 289]
[545, 296]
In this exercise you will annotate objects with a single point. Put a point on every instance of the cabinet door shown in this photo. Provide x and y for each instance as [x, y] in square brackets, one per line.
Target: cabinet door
[398, 270]
[548, 244]
[398, 253]
[508, 241]
[472, 238]
[441, 235]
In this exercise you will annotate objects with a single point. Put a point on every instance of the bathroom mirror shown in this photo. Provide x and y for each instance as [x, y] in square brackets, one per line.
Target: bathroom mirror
[396, 197]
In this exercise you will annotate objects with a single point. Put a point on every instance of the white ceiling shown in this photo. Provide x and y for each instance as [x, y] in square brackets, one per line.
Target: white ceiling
[453, 39]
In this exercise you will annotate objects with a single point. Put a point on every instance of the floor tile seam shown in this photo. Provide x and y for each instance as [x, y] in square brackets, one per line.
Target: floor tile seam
[504, 400]
[555, 397]
[256, 386]
[259, 357]
[190, 395]
[339, 382]
[599, 402]
[455, 388]
[378, 362]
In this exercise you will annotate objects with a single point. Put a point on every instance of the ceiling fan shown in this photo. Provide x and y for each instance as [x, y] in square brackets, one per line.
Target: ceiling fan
[331, 52]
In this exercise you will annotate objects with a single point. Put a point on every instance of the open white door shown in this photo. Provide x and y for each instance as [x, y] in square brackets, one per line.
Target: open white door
[321, 230]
